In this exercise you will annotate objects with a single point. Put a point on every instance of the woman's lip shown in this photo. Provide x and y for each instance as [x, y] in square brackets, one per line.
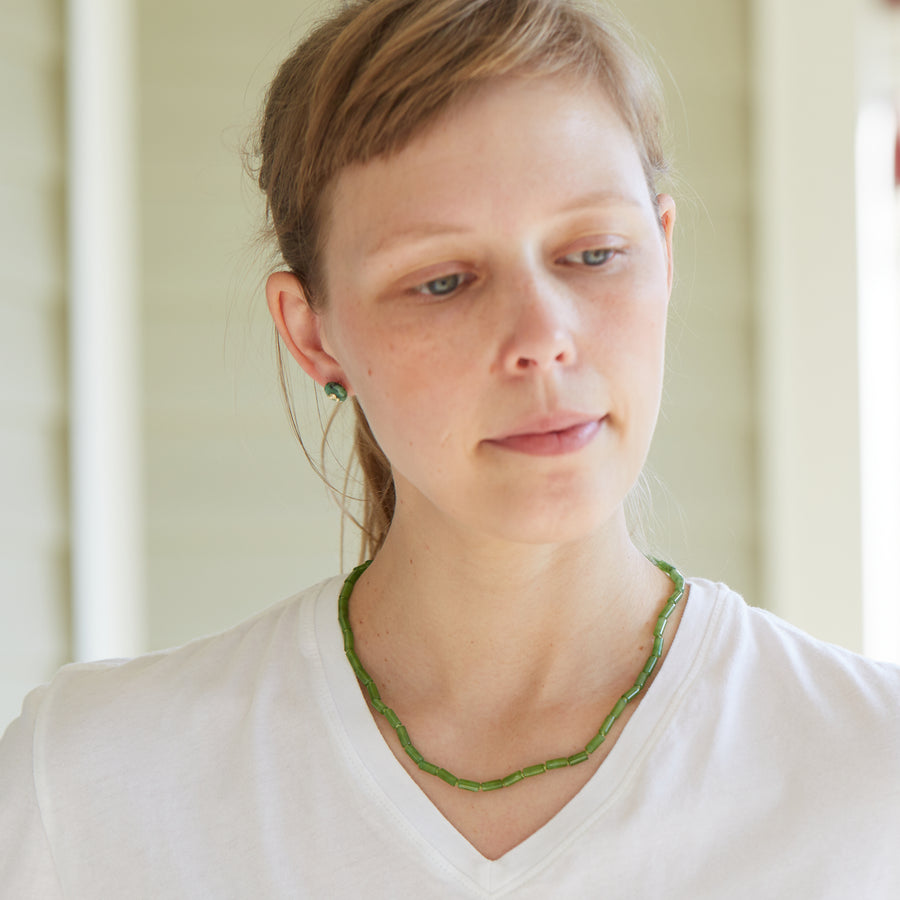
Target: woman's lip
[552, 440]
[544, 423]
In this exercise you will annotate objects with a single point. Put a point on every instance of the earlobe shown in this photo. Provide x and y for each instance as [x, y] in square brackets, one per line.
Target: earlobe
[666, 206]
[300, 329]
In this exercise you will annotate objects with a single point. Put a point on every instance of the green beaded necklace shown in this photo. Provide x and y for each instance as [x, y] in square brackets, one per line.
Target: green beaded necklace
[529, 771]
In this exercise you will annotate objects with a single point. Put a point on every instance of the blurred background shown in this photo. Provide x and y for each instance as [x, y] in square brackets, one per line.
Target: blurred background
[150, 488]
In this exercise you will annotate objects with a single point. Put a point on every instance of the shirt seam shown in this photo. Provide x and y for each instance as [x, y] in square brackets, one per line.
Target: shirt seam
[37, 740]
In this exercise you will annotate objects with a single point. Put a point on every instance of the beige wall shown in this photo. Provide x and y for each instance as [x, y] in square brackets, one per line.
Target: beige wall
[235, 518]
[705, 449]
[34, 590]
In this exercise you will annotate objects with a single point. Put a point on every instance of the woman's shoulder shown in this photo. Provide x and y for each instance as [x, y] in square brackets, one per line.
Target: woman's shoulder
[105, 745]
[203, 681]
[753, 651]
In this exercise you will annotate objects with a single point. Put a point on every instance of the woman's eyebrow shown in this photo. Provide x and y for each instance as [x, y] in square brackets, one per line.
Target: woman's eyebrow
[611, 197]
[417, 231]
[420, 231]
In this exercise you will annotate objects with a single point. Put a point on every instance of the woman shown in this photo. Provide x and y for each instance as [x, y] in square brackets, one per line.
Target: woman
[511, 699]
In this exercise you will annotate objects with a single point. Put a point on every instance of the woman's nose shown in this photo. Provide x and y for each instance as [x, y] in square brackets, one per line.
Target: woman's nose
[541, 335]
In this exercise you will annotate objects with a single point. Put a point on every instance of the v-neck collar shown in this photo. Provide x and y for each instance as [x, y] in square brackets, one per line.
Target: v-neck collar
[399, 791]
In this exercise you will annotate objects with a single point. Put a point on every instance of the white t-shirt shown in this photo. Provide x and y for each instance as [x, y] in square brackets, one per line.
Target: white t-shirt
[760, 764]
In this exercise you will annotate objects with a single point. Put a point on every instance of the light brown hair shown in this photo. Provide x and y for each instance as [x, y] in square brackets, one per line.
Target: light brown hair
[371, 77]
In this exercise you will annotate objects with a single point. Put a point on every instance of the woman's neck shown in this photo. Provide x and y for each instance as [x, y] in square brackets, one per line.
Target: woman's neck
[445, 615]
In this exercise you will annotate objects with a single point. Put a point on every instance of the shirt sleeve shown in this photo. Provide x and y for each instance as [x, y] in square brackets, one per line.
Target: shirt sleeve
[27, 869]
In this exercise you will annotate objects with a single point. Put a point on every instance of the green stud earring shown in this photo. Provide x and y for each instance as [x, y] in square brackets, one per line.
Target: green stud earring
[334, 390]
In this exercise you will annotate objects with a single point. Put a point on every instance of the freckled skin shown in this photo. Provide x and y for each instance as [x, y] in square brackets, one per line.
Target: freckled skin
[531, 327]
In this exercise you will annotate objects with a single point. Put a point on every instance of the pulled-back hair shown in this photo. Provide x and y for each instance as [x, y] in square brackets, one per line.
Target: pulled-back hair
[377, 73]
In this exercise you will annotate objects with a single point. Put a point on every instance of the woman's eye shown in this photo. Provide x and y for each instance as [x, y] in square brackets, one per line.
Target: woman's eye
[441, 287]
[595, 257]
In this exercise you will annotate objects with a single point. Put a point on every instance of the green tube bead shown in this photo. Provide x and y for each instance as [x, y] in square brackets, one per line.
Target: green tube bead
[641, 680]
[380, 706]
[354, 575]
[374, 695]
[619, 707]
[392, 718]
[466, 785]
[595, 742]
[632, 692]
[658, 646]
[449, 777]
[428, 767]
[650, 665]
[531, 771]
[403, 734]
[513, 778]
[608, 723]
[358, 670]
[576, 758]
[559, 763]
[494, 785]
[414, 754]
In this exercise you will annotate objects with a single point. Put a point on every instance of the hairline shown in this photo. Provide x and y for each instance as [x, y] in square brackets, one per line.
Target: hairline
[585, 76]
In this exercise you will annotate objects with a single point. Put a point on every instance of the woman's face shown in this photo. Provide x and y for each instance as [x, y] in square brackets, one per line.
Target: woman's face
[497, 298]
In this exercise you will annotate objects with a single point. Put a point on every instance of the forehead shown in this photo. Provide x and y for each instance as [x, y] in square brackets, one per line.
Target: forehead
[514, 148]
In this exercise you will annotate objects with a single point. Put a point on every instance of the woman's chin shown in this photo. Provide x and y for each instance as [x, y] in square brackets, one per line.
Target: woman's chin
[555, 523]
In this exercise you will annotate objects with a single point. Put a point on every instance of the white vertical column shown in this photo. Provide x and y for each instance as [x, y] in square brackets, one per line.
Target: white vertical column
[805, 119]
[108, 605]
[879, 344]
[878, 250]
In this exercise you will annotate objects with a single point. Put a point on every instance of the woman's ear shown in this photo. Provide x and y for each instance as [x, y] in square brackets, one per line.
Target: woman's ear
[666, 206]
[300, 329]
